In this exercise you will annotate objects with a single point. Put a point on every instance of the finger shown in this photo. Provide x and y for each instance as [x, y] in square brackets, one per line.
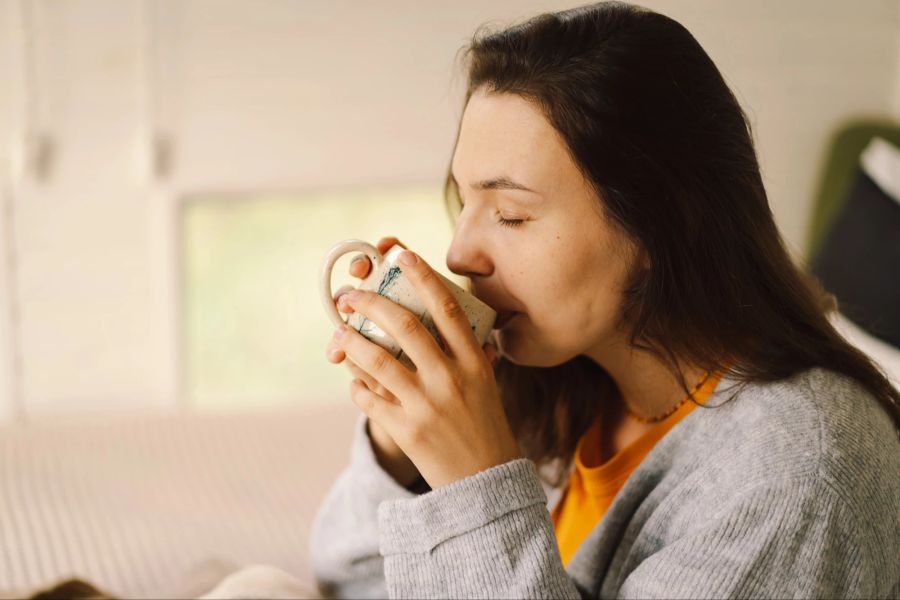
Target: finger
[398, 322]
[376, 361]
[370, 382]
[360, 265]
[448, 315]
[340, 301]
[490, 352]
[365, 377]
[334, 354]
[385, 243]
[385, 413]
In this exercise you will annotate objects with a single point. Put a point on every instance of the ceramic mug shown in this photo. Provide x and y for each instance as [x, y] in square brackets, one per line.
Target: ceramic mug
[386, 278]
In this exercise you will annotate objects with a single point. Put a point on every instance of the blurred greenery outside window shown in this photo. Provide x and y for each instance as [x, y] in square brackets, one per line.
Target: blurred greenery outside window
[255, 331]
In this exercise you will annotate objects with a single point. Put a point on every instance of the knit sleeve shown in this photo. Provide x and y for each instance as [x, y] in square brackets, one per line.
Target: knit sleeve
[343, 546]
[488, 535]
[777, 540]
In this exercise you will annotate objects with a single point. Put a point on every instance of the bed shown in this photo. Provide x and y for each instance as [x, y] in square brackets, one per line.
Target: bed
[157, 506]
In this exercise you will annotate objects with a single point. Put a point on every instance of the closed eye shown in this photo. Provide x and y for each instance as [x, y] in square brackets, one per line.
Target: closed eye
[511, 222]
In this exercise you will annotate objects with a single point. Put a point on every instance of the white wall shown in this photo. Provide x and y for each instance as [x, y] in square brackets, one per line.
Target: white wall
[799, 69]
[293, 95]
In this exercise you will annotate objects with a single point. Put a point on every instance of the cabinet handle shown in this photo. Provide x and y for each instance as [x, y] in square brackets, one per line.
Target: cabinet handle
[33, 157]
[154, 157]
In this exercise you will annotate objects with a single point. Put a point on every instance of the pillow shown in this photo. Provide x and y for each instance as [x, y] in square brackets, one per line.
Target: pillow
[859, 259]
[883, 354]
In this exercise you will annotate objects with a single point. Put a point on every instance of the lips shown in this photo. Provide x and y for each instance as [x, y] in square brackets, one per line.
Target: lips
[503, 318]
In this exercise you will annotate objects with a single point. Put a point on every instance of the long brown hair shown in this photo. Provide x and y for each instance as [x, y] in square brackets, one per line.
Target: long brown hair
[650, 122]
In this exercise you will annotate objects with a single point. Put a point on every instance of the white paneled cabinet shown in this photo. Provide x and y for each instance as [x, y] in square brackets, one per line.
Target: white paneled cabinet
[89, 320]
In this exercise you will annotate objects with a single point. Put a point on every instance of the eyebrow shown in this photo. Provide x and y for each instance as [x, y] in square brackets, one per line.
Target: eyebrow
[497, 183]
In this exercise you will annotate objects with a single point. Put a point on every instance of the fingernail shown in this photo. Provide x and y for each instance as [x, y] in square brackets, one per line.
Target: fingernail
[408, 258]
[354, 294]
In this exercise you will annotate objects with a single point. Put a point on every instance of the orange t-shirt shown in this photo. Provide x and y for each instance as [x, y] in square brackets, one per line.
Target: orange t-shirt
[593, 486]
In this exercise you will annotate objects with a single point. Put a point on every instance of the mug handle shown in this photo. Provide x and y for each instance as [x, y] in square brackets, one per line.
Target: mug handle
[337, 251]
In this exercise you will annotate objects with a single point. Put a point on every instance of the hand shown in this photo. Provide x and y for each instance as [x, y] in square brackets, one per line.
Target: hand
[387, 452]
[447, 415]
[359, 267]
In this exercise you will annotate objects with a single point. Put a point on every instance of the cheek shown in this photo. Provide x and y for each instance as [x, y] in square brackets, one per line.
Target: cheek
[566, 275]
[602, 312]
[581, 297]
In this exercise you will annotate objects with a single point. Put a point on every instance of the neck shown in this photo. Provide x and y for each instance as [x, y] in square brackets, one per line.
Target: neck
[647, 386]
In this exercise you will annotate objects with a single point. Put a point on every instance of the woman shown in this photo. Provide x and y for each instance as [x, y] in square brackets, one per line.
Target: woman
[707, 433]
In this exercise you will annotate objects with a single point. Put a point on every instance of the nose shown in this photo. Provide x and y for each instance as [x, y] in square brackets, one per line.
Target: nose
[468, 255]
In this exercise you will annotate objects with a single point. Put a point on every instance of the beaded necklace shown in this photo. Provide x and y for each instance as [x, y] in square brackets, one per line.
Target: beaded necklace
[673, 409]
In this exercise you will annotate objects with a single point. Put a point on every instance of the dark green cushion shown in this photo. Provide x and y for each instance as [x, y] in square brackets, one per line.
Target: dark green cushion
[839, 169]
[859, 259]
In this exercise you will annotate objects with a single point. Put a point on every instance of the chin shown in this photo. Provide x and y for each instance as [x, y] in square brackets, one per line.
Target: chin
[522, 353]
[531, 361]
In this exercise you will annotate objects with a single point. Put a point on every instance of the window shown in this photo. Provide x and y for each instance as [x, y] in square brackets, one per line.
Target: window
[254, 328]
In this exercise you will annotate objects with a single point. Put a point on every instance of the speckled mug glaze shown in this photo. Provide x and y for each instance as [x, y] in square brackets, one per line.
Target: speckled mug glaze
[386, 278]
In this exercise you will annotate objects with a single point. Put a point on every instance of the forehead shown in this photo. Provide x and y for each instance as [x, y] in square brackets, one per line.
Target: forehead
[509, 135]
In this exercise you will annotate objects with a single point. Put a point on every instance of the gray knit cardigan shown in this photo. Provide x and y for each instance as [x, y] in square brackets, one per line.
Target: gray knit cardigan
[789, 490]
